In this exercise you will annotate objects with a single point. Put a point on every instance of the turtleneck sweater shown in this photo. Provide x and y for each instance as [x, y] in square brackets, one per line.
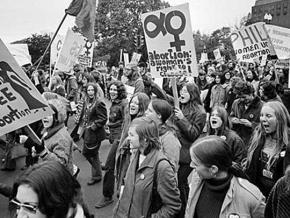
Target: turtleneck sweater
[212, 197]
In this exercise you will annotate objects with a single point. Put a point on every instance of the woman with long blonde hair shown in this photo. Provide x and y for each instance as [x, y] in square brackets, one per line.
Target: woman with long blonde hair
[268, 153]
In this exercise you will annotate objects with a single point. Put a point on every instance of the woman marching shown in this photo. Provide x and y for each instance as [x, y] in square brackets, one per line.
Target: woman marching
[150, 184]
[268, 154]
[95, 118]
[117, 95]
[217, 184]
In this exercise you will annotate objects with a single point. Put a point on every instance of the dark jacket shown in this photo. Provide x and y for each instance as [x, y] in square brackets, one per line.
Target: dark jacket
[188, 129]
[252, 113]
[96, 120]
[253, 168]
[135, 200]
[71, 87]
[117, 113]
[236, 144]
[278, 204]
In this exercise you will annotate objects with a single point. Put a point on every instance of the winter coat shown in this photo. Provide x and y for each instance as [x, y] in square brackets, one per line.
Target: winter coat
[253, 168]
[117, 113]
[278, 203]
[71, 87]
[170, 145]
[96, 118]
[188, 129]
[59, 146]
[218, 95]
[236, 144]
[252, 113]
[242, 199]
[135, 200]
[137, 83]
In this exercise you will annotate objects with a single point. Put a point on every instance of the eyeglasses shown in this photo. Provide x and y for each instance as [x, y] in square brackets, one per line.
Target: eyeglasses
[26, 206]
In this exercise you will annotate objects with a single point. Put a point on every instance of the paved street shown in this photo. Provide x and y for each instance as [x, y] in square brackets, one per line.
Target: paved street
[91, 193]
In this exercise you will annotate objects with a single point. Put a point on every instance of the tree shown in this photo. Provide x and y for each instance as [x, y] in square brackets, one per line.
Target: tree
[36, 46]
[118, 23]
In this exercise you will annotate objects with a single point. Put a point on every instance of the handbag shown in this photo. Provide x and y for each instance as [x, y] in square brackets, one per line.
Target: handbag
[18, 150]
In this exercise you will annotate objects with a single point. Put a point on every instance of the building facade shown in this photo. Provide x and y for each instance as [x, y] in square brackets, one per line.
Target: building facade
[278, 9]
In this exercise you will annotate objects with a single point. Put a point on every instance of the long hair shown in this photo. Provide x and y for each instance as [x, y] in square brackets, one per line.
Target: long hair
[58, 82]
[121, 89]
[147, 130]
[283, 123]
[194, 93]
[223, 114]
[56, 188]
[143, 102]
[163, 108]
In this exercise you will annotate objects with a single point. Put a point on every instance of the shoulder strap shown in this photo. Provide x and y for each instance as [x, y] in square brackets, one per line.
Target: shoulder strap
[156, 172]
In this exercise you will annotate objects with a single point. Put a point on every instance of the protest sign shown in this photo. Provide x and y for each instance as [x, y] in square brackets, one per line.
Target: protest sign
[134, 60]
[217, 54]
[170, 42]
[20, 53]
[280, 38]
[263, 61]
[72, 46]
[203, 58]
[85, 57]
[251, 42]
[126, 58]
[55, 48]
[101, 65]
[282, 64]
[20, 102]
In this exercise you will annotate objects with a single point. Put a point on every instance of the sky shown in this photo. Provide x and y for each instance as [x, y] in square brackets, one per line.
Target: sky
[21, 18]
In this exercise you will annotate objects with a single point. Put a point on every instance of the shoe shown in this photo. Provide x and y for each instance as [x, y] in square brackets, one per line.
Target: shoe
[105, 201]
[94, 181]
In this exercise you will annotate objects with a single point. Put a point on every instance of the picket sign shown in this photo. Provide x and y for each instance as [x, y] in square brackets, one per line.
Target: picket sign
[20, 53]
[20, 101]
[134, 60]
[217, 54]
[55, 48]
[170, 43]
[72, 46]
[126, 59]
[204, 58]
[280, 38]
[85, 57]
[252, 42]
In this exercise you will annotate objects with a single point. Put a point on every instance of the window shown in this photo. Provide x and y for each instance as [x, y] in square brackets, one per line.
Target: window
[285, 8]
[278, 9]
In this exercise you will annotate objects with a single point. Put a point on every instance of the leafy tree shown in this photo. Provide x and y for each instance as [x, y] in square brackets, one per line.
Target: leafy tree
[36, 46]
[118, 23]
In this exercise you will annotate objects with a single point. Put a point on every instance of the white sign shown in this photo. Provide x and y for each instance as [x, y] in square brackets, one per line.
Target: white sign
[20, 102]
[203, 58]
[72, 46]
[252, 42]
[170, 42]
[55, 48]
[126, 58]
[130, 92]
[85, 57]
[20, 53]
[217, 54]
[134, 60]
[280, 38]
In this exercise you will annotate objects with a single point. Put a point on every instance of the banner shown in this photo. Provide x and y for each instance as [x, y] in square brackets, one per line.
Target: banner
[217, 54]
[55, 48]
[20, 53]
[72, 46]
[85, 57]
[170, 42]
[20, 102]
[252, 42]
[280, 38]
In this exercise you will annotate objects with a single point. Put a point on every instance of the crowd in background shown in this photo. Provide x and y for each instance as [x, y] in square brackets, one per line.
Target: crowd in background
[226, 146]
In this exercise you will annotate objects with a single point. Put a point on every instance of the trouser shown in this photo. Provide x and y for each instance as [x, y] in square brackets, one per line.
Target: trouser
[109, 177]
[92, 155]
[182, 175]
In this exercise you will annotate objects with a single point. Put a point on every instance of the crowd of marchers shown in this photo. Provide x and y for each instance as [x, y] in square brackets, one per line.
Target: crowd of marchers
[222, 150]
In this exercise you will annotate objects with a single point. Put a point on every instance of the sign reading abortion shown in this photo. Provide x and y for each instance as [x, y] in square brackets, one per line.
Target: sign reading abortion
[170, 42]
[252, 42]
[280, 38]
[20, 102]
